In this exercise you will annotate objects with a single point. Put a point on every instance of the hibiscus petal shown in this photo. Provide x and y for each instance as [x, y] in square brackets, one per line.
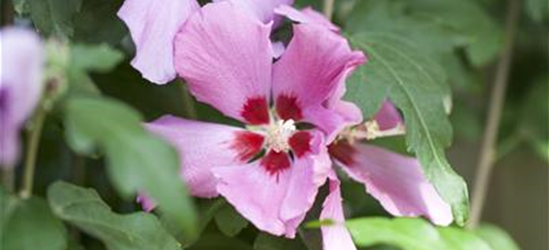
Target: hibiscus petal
[20, 87]
[311, 71]
[203, 146]
[225, 55]
[388, 116]
[307, 15]
[153, 25]
[262, 9]
[335, 236]
[395, 180]
[275, 203]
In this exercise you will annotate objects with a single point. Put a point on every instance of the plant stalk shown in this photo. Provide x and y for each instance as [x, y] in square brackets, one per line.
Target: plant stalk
[32, 153]
[488, 147]
[328, 8]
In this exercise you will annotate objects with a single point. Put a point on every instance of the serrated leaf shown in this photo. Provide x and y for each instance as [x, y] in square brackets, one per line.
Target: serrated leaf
[54, 17]
[137, 160]
[31, 223]
[413, 82]
[84, 209]
[496, 237]
[229, 221]
[412, 234]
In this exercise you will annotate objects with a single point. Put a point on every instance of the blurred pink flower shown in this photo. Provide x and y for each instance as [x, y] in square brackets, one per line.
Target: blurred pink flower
[20, 87]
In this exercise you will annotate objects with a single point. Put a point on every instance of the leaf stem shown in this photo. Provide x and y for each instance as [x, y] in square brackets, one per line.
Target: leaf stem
[32, 152]
[328, 8]
[489, 140]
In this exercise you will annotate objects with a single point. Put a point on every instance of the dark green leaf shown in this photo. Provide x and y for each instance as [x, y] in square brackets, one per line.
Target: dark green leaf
[412, 234]
[84, 209]
[97, 22]
[31, 223]
[415, 84]
[229, 221]
[54, 17]
[484, 37]
[496, 237]
[269, 242]
[137, 160]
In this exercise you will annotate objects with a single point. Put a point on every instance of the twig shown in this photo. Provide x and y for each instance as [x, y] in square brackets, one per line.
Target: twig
[487, 152]
[328, 8]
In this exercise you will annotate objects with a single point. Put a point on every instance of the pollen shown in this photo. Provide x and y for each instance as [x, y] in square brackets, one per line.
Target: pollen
[278, 135]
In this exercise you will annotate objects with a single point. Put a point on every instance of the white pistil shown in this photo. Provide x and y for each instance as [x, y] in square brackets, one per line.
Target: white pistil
[279, 133]
[370, 130]
[373, 131]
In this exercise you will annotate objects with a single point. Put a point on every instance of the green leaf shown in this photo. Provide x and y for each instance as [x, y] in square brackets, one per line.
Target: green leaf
[30, 224]
[85, 59]
[229, 221]
[54, 17]
[412, 234]
[496, 237]
[537, 10]
[97, 22]
[84, 209]
[438, 26]
[269, 242]
[137, 160]
[97, 58]
[484, 36]
[414, 83]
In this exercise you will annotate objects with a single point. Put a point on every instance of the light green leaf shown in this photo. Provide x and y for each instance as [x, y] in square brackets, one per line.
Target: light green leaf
[85, 59]
[412, 234]
[229, 221]
[460, 239]
[30, 224]
[54, 17]
[137, 160]
[97, 58]
[496, 237]
[84, 209]
[413, 82]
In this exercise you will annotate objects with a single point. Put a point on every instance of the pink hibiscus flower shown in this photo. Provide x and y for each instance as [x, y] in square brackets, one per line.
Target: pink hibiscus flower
[20, 87]
[270, 169]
